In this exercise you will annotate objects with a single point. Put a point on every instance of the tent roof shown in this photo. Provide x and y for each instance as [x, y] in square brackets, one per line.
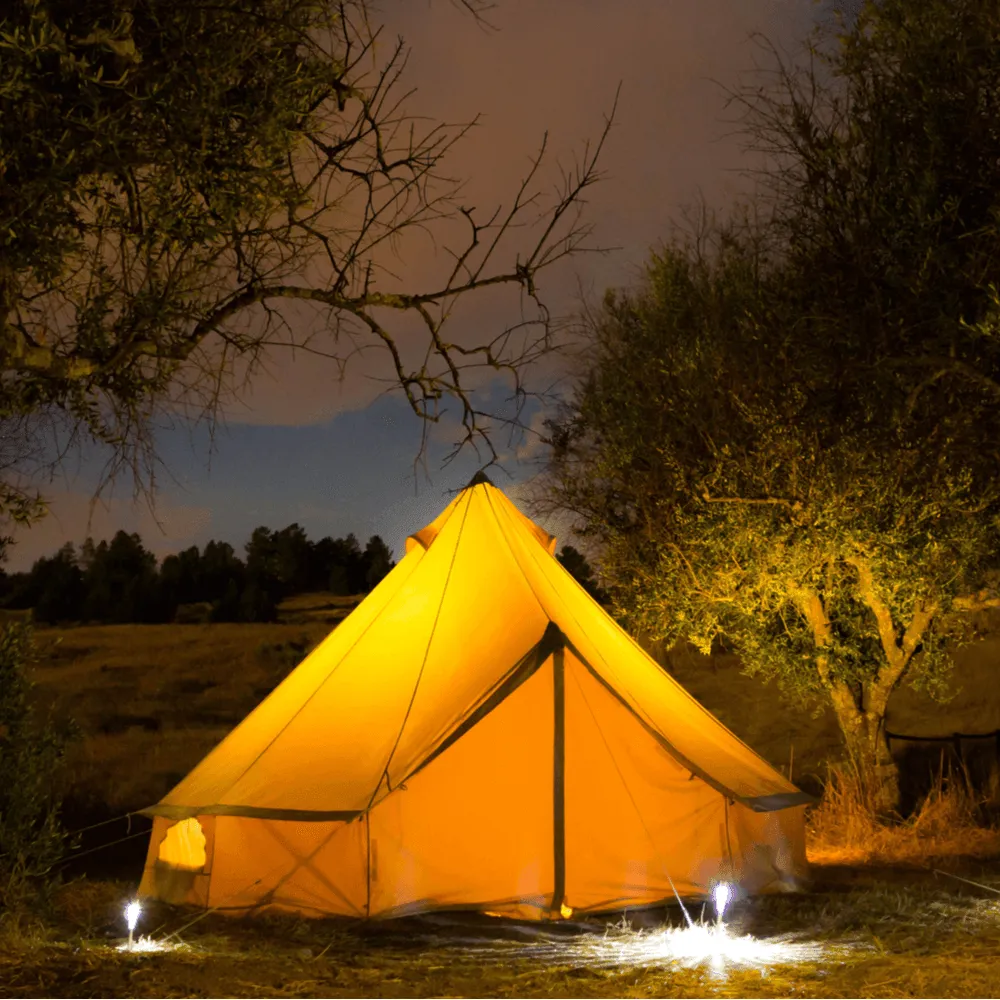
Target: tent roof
[473, 608]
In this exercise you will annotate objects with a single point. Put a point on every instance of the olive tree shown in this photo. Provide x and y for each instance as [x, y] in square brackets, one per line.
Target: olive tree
[735, 491]
[790, 436]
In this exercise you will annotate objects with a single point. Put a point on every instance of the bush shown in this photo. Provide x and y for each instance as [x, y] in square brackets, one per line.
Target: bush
[32, 839]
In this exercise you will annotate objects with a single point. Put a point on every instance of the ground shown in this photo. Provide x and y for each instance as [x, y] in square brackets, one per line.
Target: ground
[860, 932]
[150, 701]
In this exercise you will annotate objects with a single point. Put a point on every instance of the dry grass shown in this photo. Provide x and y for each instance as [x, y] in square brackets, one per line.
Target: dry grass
[949, 822]
[150, 701]
[872, 934]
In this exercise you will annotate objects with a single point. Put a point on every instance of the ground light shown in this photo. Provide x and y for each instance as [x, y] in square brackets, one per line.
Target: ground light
[132, 912]
[701, 944]
[721, 895]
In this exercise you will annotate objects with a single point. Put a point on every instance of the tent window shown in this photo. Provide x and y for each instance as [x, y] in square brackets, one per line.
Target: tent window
[184, 846]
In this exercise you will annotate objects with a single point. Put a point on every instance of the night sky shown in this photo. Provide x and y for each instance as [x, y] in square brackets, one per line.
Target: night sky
[339, 456]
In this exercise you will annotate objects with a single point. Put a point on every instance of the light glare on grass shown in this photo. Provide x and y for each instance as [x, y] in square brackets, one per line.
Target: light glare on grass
[705, 945]
[146, 945]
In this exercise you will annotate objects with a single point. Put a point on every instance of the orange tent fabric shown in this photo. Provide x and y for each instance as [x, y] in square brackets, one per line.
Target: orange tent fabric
[477, 734]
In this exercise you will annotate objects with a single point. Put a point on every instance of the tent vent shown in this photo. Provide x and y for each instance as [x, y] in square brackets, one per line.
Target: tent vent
[478, 479]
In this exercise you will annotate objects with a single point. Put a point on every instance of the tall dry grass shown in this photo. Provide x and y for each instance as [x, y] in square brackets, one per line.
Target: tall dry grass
[953, 819]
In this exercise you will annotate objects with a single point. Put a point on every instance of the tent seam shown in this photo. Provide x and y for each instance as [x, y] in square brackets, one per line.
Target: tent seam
[628, 791]
[423, 662]
[517, 562]
[539, 652]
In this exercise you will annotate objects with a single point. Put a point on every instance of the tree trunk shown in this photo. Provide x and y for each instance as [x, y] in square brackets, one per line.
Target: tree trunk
[868, 751]
[863, 721]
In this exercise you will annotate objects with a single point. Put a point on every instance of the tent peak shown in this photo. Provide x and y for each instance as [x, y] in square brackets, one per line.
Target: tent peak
[478, 479]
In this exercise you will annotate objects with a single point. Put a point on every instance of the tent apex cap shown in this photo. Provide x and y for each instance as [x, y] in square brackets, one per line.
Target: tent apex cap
[478, 479]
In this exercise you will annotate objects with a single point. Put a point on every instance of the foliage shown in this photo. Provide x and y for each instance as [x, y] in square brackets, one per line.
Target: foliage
[55, 587]
[578, 566]
[883, 185]
[32, 839]
[119, 581]
[378, 559]
[179, 175]
[733, 493]
[788, 435]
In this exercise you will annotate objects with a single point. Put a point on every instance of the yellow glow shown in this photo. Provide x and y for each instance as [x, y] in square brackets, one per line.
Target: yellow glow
[184, 846]
[566, 911]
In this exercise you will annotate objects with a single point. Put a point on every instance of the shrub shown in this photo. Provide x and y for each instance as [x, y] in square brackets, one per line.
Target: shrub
[32, 839]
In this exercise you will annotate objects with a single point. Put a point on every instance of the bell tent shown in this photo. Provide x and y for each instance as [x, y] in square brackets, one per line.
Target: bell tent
[477, 734]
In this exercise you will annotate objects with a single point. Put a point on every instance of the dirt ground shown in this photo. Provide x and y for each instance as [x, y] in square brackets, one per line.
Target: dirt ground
[859, 932]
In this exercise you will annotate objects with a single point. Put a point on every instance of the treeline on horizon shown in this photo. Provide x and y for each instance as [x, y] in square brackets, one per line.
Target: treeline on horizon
[120, 581]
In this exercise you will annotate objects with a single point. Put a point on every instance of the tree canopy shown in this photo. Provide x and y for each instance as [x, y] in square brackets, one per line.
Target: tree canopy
[787, 434]
[119, 581]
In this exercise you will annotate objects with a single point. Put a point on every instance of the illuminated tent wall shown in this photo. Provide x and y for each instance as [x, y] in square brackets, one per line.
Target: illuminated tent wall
[478, 734]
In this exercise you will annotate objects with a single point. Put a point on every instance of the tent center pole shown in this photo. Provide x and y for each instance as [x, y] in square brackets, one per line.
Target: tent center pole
[559, 783]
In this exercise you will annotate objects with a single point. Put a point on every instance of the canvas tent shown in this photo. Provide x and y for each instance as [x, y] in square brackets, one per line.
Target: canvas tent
[477, 734]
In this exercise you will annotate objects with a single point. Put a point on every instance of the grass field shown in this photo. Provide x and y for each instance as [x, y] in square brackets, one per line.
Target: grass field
[150, 701]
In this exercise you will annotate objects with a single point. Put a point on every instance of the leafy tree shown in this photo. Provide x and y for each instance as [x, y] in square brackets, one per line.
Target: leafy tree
[378, 561]
[121, 582]
[263, 587]
[181, 578]
[737, 491]
[56, 586]
[339, 582]
[177, 173]
[352, 558]
[219, 569]
[257, 601]
[228, 608]
[579, 568]
[32, 839]
[322, 555]
[884, 194]
[292, 559]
